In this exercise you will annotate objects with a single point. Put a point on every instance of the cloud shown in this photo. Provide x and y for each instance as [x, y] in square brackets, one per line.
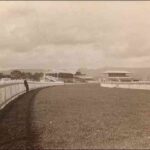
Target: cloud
[74, 34]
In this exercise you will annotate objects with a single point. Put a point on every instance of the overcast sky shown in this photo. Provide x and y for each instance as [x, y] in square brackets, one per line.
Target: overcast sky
[69, 35]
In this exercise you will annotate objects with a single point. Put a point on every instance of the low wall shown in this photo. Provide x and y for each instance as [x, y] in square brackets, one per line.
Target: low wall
[9, 91]
[128, 85]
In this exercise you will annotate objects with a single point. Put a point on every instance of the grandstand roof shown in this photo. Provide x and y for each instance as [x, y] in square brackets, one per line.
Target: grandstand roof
[116, 71]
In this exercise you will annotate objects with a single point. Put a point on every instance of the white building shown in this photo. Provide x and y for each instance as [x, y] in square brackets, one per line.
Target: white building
[117, 76]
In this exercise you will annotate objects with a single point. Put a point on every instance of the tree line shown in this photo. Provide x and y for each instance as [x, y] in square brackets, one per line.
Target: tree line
[17, 74]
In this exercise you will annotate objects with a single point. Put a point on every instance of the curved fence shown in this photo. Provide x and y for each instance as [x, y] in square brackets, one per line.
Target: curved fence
[9, 91]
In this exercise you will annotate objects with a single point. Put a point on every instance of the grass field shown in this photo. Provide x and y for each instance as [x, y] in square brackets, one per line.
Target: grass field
[89, 116]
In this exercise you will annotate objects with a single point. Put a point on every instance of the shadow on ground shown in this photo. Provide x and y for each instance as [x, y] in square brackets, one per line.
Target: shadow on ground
[15, 132]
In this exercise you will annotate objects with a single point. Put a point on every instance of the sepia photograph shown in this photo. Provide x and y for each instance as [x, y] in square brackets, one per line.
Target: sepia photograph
[74, 75]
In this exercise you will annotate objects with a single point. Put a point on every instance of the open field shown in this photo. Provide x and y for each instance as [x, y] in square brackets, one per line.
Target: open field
[88, 116]
[77, 116]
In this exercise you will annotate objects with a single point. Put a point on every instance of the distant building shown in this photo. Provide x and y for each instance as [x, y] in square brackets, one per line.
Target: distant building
[119, 76]
[84, 78]
[67, 77]
[59, 76]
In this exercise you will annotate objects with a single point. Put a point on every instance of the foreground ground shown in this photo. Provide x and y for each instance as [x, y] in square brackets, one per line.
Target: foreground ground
[77, 116]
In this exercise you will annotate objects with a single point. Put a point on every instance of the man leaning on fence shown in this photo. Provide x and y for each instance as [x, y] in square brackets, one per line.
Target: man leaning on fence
[26, 85]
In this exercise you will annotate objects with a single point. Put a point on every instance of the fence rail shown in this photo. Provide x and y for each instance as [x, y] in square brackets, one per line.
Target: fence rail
[129, 85]
[9, 91]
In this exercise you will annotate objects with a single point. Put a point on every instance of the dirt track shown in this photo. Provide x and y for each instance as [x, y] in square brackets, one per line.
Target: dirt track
[15, 122]
[77, 116]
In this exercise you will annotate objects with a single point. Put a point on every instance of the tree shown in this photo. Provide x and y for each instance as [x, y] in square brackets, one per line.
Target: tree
[78, 73]
[37, 76]
[1, 75]
[16, 74]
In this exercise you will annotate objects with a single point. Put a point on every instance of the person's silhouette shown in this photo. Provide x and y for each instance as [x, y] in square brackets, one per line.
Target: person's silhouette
[26, 85]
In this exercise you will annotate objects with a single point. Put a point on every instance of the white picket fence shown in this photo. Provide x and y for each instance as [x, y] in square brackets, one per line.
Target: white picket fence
[9, 91]
[128, 85]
